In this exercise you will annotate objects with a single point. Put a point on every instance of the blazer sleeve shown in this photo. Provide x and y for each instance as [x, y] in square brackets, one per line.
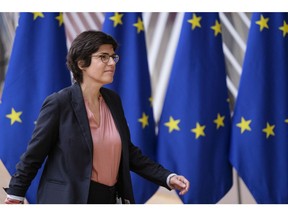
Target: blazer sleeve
[44, 136]
[147, 168]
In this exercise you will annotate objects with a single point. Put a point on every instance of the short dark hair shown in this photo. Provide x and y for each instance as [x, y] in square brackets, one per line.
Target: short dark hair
[82, 47]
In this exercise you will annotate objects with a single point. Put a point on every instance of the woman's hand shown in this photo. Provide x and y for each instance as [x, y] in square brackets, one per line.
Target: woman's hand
[12, 201]
[180, 183]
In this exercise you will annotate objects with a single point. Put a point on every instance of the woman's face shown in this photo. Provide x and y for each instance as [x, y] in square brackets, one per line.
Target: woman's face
[100, 72]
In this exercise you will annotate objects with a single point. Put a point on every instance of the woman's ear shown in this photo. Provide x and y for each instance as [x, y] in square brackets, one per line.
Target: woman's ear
[80, 64]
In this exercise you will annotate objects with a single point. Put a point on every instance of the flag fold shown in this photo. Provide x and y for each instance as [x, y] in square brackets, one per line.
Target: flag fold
[37, 68]
[259, 150]
[194, 127]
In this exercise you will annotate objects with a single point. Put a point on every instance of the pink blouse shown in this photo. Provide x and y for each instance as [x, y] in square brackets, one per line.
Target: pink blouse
[106, 146]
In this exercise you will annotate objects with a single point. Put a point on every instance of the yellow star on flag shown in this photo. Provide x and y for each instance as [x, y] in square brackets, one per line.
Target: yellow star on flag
[284, 28]
[219, 121]
[60, 19]
[151, 101]
[37, 14]
[286, 120]
[117, 19]
[269, 130]
[216, 28]
[199, 130]
[172, 124]
[195, 21]
[244, 125]
[14, 116]
[263, 23]
[144, 120]
[139, 25]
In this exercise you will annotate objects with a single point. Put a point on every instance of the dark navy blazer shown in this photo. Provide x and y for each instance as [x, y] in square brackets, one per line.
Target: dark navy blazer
[62, 136]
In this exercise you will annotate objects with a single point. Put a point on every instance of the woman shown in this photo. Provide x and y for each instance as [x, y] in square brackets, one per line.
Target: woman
[83, 134]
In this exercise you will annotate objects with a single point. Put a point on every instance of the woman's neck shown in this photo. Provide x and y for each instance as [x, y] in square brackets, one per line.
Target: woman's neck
[91, 93]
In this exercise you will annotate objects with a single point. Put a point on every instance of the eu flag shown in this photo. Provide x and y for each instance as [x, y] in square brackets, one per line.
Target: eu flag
[259, 149]
[132, 82]
[194, 127]
[37, 68]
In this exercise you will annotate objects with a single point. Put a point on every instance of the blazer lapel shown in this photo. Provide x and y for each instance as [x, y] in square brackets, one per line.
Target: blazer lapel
[113, 109]
[81, 114]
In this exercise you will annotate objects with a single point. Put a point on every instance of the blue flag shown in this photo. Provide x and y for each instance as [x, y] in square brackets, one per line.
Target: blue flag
[132, 82]
[194, 128]
[259, 150]
[36, 69]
